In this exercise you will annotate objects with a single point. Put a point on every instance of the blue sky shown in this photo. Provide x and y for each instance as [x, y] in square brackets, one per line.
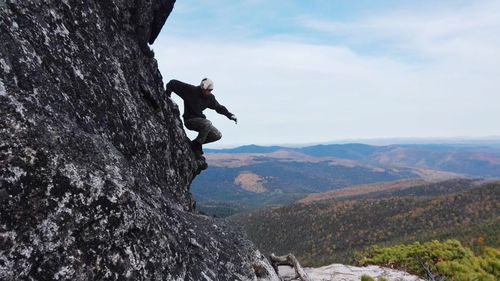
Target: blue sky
[323, 70]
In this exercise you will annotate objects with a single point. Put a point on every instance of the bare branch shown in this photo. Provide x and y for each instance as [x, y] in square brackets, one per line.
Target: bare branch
[289, 260]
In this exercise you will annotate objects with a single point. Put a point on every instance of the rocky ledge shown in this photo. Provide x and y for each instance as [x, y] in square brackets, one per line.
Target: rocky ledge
[340, 272]
[95, 166]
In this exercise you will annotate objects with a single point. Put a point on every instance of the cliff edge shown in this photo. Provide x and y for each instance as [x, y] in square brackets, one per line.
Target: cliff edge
[95, 166]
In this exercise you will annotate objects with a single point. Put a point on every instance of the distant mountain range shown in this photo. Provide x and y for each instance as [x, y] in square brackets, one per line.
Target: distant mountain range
[466, 159]
[330, 228]
[240, 182]
[249, 177]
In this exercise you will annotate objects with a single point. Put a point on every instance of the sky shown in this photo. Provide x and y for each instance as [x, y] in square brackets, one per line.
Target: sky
[296, 71]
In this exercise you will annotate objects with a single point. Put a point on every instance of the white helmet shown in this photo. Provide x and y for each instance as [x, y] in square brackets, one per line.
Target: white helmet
[207, 84]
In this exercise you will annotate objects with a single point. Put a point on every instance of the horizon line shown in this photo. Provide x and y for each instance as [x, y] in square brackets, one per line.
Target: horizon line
[376, 141]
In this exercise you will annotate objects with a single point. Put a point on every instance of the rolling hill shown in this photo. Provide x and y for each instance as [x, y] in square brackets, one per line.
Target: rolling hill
[239, 182]
[251, 176]
[320, 232]
[471, 160]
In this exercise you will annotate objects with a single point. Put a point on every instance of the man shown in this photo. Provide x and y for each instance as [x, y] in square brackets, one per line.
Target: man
[196, 99]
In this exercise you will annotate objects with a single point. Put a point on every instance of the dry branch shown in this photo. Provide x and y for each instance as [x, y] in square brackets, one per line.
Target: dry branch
[291, 261]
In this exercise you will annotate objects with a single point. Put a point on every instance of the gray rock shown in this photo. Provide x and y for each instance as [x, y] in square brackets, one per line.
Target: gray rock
[95, 167]
[340, 272]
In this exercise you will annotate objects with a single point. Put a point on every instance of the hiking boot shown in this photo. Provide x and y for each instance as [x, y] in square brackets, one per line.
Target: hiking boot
[203, 163]
[196, 147]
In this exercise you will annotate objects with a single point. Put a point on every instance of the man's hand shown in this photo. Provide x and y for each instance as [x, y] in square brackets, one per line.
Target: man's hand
[233, 117]
[168, 91]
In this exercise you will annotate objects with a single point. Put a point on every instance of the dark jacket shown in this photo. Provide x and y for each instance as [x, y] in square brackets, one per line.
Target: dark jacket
[194, 101]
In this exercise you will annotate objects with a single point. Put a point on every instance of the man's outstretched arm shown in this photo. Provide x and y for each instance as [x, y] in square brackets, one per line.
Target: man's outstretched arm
[223, 110]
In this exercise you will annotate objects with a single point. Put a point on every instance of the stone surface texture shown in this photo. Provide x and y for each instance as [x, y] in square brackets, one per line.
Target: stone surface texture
[95, 166]
[340, 272]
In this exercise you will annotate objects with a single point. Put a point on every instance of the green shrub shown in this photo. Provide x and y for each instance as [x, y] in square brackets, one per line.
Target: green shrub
[433, 259]
[366, 278]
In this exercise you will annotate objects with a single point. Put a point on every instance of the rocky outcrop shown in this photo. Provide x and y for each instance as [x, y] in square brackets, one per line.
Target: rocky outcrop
[95, 166]
[340, 272]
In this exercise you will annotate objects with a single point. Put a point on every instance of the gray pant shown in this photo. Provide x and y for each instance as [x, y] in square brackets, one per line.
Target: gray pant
[206, 131]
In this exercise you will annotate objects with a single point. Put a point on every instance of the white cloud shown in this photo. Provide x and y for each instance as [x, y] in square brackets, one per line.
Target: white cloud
[292, 92]
[463, 30]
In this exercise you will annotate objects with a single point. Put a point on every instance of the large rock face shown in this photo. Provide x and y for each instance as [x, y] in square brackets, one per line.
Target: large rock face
[95, 166]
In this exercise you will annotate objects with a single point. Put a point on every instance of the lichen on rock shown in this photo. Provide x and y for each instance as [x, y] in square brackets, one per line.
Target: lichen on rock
[95, 167]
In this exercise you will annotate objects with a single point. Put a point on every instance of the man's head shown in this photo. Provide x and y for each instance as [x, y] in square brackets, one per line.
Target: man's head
[207, 86]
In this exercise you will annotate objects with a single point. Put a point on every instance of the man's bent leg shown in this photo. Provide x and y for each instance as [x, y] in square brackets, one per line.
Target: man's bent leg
[213, 135]
[200, 125]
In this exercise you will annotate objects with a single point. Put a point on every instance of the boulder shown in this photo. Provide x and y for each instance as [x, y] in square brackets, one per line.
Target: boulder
[95, 166]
